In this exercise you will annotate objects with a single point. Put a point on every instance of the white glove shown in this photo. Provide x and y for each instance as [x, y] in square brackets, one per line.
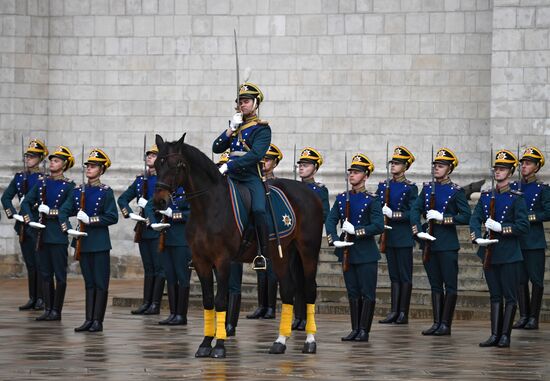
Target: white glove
[159, 226]
[493, 225]
[141, 202]
[37, 225]
[342, 244]
[136, 217]
[434, 215]
[43, 208]
[348, 227]
[485, 242]
[223, 169]
[167, 212]
[18, 217]
[82, 216]
[387, 211]
[425, 236]
[76, 233]
[388, 227]
[236, 121]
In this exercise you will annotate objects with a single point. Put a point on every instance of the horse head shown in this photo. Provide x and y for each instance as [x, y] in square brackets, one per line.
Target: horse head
[181, 165]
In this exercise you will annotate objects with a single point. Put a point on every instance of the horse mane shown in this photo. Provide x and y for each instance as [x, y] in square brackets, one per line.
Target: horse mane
[197, 159]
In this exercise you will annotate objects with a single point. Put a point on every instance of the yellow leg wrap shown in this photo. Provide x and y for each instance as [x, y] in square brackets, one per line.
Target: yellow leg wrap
[311, 327]
[285, 326]
[220, 326]
[209, 329]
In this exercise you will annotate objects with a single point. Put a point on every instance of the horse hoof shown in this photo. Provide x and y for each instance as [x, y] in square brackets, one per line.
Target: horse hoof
[310, 347]
[218, 352]
[203, 352]
[277, 348]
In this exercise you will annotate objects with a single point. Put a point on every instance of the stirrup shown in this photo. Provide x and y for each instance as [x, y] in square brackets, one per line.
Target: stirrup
[259, 263]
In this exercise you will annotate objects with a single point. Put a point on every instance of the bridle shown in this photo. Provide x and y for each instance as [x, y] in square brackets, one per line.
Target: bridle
[178, 167]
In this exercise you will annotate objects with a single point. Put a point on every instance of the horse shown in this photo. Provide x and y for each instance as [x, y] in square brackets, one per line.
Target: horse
[215, 240]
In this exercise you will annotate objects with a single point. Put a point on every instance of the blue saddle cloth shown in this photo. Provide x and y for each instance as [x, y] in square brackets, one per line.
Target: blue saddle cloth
[284, 214]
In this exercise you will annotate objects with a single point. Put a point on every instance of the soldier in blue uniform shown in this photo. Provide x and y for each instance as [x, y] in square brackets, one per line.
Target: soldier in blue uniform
[507, 224]
[267, 280]
[248, 139]
[46, 197]
[147, 239]
[174, 251]
[19, 186]
[451, 209]
[364, 222]
[308, 164]
[399, 240]
[96, 214]
[533, 245]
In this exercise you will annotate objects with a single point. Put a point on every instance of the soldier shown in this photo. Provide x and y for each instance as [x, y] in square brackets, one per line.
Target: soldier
[175, 253]
[448, 210]
[533, 245]
[364, 221]
[267, 280]
[248, 139]
[402, 194]
[142, 189]
[308, 164]
[48, 195]
[20, 185]
[96, 213]
[504, 213]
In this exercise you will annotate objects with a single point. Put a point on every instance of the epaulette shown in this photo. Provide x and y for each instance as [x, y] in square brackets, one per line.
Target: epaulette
[262, 122]
[104, 186]
[426, 183]
[516, 192]
[373, 195]
[139, 176]
[68, 180]
[456, 186]
[409, 182]
[320, 185]
[382, 182]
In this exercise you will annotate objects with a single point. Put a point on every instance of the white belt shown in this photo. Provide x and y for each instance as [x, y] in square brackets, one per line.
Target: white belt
[237, 153]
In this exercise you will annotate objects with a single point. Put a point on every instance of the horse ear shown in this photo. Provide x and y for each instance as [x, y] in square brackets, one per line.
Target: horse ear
[182, 139]
[159, 140]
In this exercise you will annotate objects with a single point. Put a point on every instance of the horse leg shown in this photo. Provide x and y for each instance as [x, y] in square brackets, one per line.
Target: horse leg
[309, 262]
[222, 269]
[204, 271]
[287, 289]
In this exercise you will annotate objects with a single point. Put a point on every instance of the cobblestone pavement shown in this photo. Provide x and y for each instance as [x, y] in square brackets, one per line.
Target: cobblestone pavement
[135, 347]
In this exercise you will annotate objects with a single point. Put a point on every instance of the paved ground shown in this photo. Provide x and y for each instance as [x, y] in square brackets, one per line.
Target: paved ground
[133, 347]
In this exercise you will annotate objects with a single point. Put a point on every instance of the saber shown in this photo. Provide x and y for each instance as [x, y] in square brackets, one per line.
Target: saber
[294, 169]
[238, 108]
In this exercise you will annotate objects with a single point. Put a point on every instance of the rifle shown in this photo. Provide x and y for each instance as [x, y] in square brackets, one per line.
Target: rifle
[383, 237]
[345, 257]
[162, 237]
[140, 225]
[42, 201]
[427, 244]
[294, 169]
[81, 225]
[24, 188]
[519, 171]
[489, 249]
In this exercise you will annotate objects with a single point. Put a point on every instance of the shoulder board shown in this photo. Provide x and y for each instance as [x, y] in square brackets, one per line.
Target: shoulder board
[409, 182]
[104, 186]
[373, 195]
[262, 122]
[382, 182]
[140, 176]
[68, 180]
[427, 183]
[516, 192]
[320, 185]
[486, 191]
[456, 186]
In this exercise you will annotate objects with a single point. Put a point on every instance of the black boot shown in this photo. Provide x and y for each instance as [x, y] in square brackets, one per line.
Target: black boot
[31, 283]
[100, 305]
[437, 307]
[262, 298]
[395, 293]
[182, 306]
[523, 303]
[158, 290]
[233, 310]
[404, 303]
[536, 301]
[90, 300]
[496, 326]
[148, 282]
[39, 305]
[55, 314]
[47, 287]
[271, 311]
[447, 316]
[365, 322]
[354, 313]
[509, 313]
[172, 290]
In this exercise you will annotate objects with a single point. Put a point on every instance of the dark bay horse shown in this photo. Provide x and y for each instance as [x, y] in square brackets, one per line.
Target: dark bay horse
[215, 240]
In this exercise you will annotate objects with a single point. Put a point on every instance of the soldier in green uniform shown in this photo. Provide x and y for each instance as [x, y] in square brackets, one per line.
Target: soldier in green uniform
[533, 245]
[20, 185]
[363, 223]
[267, 280]
[507, 221]
[450, 208]
[402, 194]
[142, 189]
[49, 194]
[96, 214]
[308, 164]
